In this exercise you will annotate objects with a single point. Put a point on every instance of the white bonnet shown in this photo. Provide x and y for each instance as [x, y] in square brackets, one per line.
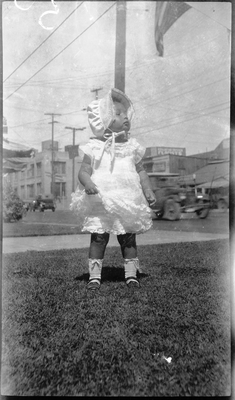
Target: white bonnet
[101, 111]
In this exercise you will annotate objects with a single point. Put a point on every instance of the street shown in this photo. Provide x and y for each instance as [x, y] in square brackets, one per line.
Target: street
[216, 222]
[188, 229]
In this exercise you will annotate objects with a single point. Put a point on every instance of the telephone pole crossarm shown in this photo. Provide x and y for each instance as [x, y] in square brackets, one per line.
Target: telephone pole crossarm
[96, 92]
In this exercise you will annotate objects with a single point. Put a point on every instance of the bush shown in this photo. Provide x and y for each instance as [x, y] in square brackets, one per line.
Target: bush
[12, 205]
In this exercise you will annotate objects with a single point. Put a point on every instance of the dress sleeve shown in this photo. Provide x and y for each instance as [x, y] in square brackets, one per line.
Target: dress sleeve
[87, 149]
[139, 151]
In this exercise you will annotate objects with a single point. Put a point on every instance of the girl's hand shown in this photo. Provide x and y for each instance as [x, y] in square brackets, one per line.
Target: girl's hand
[150, 196]
[91, 188]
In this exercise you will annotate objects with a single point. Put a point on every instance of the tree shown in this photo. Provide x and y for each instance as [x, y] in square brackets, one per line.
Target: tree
[12, 205]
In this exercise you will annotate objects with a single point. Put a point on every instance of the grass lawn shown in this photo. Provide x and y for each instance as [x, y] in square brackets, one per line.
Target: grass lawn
[42, 224]
[21, 229]
[60, 340]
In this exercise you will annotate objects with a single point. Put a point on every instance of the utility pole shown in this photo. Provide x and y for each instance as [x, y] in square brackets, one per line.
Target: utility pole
[96, 92]
[52, 150]
[74, 130]
[120, 51]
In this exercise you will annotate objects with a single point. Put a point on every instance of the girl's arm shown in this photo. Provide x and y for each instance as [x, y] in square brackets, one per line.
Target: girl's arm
[84, 176]
[146, 184]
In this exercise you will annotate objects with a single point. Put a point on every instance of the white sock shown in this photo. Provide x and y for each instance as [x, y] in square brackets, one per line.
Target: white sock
[131, 265]
[95, 268]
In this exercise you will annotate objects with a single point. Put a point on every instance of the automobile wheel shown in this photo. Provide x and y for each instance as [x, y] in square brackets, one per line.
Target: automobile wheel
[222, 205]
[53, 209]
[171, 210]
[203, 213]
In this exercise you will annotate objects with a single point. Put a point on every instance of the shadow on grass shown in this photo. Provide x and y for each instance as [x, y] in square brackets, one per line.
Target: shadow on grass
[110, 274]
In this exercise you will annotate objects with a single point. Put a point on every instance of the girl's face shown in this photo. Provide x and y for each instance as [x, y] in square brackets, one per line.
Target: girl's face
[121, 121]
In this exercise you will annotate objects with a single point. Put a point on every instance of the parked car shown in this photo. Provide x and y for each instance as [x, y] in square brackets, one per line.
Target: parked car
[168, 199]
[192, 202]
[223, 203]
[173, 200]
[43, 204]
[47, 204]
[219, 198]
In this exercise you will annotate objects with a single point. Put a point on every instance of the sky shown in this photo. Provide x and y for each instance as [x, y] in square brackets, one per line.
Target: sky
[52, 62]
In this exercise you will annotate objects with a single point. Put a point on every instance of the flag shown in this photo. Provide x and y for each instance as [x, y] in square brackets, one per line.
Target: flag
[16, 156]
[73, 150]
[167, 12]
[12, 149]
[15, 164]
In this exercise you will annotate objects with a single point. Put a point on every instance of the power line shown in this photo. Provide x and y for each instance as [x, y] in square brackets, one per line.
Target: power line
[148, 105]
[143, 99]
[43, 42]
[180, 94]
[61, 51]
[182, 122]
[196, 113]
[28, 123]
[175, 123]
[39, 120]
[108, 72]
[185, 81]
[182, 115]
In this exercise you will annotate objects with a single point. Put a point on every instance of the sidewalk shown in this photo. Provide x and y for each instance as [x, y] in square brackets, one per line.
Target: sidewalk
[45, 243]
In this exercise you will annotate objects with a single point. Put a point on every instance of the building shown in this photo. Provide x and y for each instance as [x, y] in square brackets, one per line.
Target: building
[221, 152]
[36, 178]
[211, 175]
[173, 160]
[160, 150]
[173, 164]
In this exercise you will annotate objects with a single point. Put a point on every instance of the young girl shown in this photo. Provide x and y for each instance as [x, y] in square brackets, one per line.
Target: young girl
[116, 186]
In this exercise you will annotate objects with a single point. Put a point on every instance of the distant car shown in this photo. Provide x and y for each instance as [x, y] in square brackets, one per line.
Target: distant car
[47, 204]
[167, 205]
[195, 203]
[223, 203]
[172, 200]
[42, 204]
[168, 199]
[219, 201]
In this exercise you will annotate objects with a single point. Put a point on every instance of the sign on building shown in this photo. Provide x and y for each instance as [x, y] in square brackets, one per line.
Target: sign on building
[177, 151]
[162, 150]
[159, 167]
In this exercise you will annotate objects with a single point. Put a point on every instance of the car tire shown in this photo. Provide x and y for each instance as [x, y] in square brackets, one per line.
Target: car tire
[203, 213]
[222, 205]
[171, 210]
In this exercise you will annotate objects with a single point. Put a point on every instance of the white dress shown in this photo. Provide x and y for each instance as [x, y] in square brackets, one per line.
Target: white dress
[120, 207]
